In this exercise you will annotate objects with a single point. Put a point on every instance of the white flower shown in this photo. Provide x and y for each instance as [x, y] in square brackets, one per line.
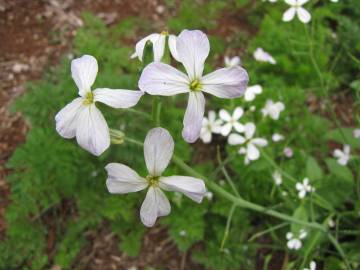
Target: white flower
[182, 233]
[342, 156]
[276, 137]
[81, 118]
[312, 266]
[252, 108]
[232, 62]
[296, 8]
[334, 1]
[288, 152]
[331, 223]
[252, 91]
[273, 109]
[209, 195]
[161, 79]
[231, 121]
[356, 132]
[295, 242]
[158, 150]
[304, 188]
[210, 125]
[251, 144]
[277, 178]
[262, 56]
[158, 41]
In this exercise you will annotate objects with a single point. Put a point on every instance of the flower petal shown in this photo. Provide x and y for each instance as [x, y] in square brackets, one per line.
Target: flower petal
[252, 152]
[239, 127]
[83, 72]
[191, 187]
[172, 47]
[193, 117]
[92, 132]
[193, 48]
[238, 112]
[122, 179]
[205, 135]
[155, 205]
[159, 47]
[226, 129]
[164, 80]
[158, 150]
[289, 14]
[139, 47]
[66, 119]
[303, 15]
[226, 82]
[117, 98]
[224, 115]
[259, 142]
[249, 130]
[235, 139]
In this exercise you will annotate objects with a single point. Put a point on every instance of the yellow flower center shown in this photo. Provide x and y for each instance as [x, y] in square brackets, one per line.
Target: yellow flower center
[195, 85]
[153, 180]
[89, 98]
[165, 33]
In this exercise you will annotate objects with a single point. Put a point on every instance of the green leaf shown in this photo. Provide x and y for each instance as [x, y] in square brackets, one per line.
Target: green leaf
[338, 170]
[313, 170]
[301, 214]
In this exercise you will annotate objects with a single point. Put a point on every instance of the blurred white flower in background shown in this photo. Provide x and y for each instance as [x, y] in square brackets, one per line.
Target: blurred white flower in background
[294, 242]
[356, 132]
[342, 156]
[158, 150]
[250, 149]
[81, 118]
[296, 8]
[231, 121]
[331, 223]
[252, 91]
[276, 137]
[232, 62]
[304, 188]
[159, 43]
[312, 266]
[183, 233]
[288, 152]
[277, 178]
[334, 1]
[210, 125]
[252, 108]
[272, 109]
[262, 56]
[209, 195]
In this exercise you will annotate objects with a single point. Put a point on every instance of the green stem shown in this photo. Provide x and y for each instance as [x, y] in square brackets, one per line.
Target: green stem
[227, 228]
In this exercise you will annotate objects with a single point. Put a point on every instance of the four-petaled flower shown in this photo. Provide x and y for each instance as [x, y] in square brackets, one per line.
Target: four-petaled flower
[252, 91]
[161, 79]
[231, 121]
[304, 188]
[81, 118]
[294, 242]
[273, 109]
[251, 151]
[158, 150]
[342, 156]
[262, 56]
[159, 43]
[232, 62]
[296, 8]
[210, 125]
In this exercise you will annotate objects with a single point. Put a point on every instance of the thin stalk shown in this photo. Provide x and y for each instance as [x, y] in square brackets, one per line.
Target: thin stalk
[261, 233]
[227, 228]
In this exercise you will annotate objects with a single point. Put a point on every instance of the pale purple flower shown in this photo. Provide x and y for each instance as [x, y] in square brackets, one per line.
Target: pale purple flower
[288, 152]
[250, 148]
[252, 91]
[272, 109]
[356, 132]
[231, 121]
[342, 156]
[161, 79]
[81, 118]
[158, 150]
[210, 125]
[263, 56]
[296, 8]
[304, 188]
[232, 62]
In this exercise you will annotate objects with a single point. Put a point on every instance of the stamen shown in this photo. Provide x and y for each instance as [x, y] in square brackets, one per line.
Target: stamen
[153, 180]
[89, 98]
[195, 85]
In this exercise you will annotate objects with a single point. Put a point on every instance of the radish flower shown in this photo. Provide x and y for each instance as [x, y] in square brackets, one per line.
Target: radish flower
[232, 62]
[262, 56]
[296, 8]
[252, 91]
[158, 150]
[342, 156]
[251, 144]
[231, 121]
[159, 43]
[81, 118]
[210, 125]
[161, 79]
[304, 188]
[273, 109]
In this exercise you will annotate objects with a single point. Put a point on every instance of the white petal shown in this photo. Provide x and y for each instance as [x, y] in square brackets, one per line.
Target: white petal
[122, 179]
[238, 112]
[239, 127]
[162, 79]
[117, 98]
[235, 139]
[226, 82]
[83, 72]
[225, 115]
[158, 150]
[259, 142]
[66, 119]
[302, 2]
[155, 205]
[252, 91]
[347, 149]
[193, 48]
[249, 130]
[289, 14]
[303, 15]
[299, 186]
[289, 235]
[226, 129]
[205, 135]
[92, 132]
[291, 2]
[193, 117]
[338, 153]
[139, 47]
[252, 152]
[172, 47]
[191, 187]
[159, 48]
[212, 116]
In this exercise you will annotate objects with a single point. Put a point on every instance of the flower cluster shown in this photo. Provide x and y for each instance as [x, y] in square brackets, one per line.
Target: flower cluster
[294, 241]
